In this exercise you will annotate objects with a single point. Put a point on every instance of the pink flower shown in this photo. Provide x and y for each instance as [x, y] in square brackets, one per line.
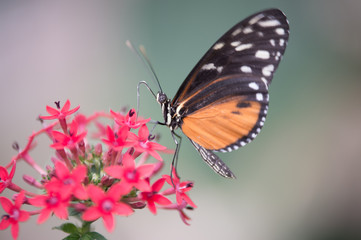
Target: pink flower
[106, 205]
[153, 196]
[53, 202]
[15, 215]
[130, 120]
[67, 183]
[117, 141]
[180, 188]
[130, 175]
[142, 143]
[5, 178]
[56, 114]
[180, 208]
[70, 141]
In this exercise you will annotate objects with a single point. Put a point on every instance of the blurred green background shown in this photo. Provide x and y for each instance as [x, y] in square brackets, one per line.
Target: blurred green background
[300, 179]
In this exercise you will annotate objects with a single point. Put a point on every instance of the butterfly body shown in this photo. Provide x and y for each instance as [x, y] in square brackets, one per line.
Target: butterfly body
[223, 103]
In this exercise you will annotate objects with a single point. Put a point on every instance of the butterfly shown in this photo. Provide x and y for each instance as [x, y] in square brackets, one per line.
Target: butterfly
[222, 104]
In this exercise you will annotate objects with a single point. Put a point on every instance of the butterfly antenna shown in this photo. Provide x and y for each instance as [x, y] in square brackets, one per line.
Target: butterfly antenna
[143, 56]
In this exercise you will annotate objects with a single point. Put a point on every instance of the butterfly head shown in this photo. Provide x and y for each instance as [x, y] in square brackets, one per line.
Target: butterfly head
[161, 98]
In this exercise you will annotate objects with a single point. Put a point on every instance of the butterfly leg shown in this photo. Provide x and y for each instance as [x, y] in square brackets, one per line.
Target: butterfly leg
[177, 140]
[214, 161]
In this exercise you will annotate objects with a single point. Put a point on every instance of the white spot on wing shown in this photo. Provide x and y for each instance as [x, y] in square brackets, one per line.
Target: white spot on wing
[246, 69]
[253, 85]
[219, 69]
[208, 66]
[247, 30]
[282, 42]
[272, 41]
[280, 31]
[267, 70]
[256, 19]
[269, 23]
[265, 82]
[263, 54]
[242, 143]
[237, 31]
[218, 46]
[235, 44]
[244, 46]
[259, 96]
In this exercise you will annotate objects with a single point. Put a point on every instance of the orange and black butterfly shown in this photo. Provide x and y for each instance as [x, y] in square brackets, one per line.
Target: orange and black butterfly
[222, 104]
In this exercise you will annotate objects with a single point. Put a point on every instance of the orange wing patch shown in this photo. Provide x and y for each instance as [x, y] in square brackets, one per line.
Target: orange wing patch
[222, 123]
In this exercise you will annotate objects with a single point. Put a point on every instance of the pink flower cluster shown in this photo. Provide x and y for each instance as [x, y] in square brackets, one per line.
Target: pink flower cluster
[89, 182]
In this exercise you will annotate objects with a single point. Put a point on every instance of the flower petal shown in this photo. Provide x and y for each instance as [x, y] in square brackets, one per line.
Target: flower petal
[61, 170]
[123, 209]
[114, 171]
[157, 185]
[61, 211]
[161, 200]
[52, 111]
[66, 106]
[15, 230]
[145, 170]
[4, 223]
[91, 214]
[79, 173]
[151, 207]
[38, 201]
[6, 204]
[143, 132]
[188, 200]
[95, 193]
[24, 216]
[117, 191]
[19, 199]
[44, 215]
[143, 185]
[108, 220]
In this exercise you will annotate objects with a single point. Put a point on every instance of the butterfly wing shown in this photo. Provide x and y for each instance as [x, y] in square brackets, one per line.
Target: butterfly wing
[214, 161]
[253, 47]
[224, 100]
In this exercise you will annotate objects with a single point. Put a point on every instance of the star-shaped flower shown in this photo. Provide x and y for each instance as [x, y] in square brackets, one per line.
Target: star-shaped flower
[106, 204]
[130, 175]
[68, 140]
[180, 188]
[130, 120]
[68, 182]
[117, 141]
[143, 144]
[5, 178]
[14, 214]
[56, 114]
[153, 196]
[52, 202]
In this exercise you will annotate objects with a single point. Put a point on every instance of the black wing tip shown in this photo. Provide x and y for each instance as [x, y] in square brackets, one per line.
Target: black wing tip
[229, 175]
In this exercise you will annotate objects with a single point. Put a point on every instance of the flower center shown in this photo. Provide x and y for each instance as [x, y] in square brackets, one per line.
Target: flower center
[15, 214]
[68, 181]
[107, 206]
[131, 176]
[52, 200]
[144, 144]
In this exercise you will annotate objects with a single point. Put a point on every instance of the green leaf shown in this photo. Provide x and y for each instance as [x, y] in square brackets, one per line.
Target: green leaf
[73, 212]
[96, 236]
[67, 227]
[85, 237]
[73, 236]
